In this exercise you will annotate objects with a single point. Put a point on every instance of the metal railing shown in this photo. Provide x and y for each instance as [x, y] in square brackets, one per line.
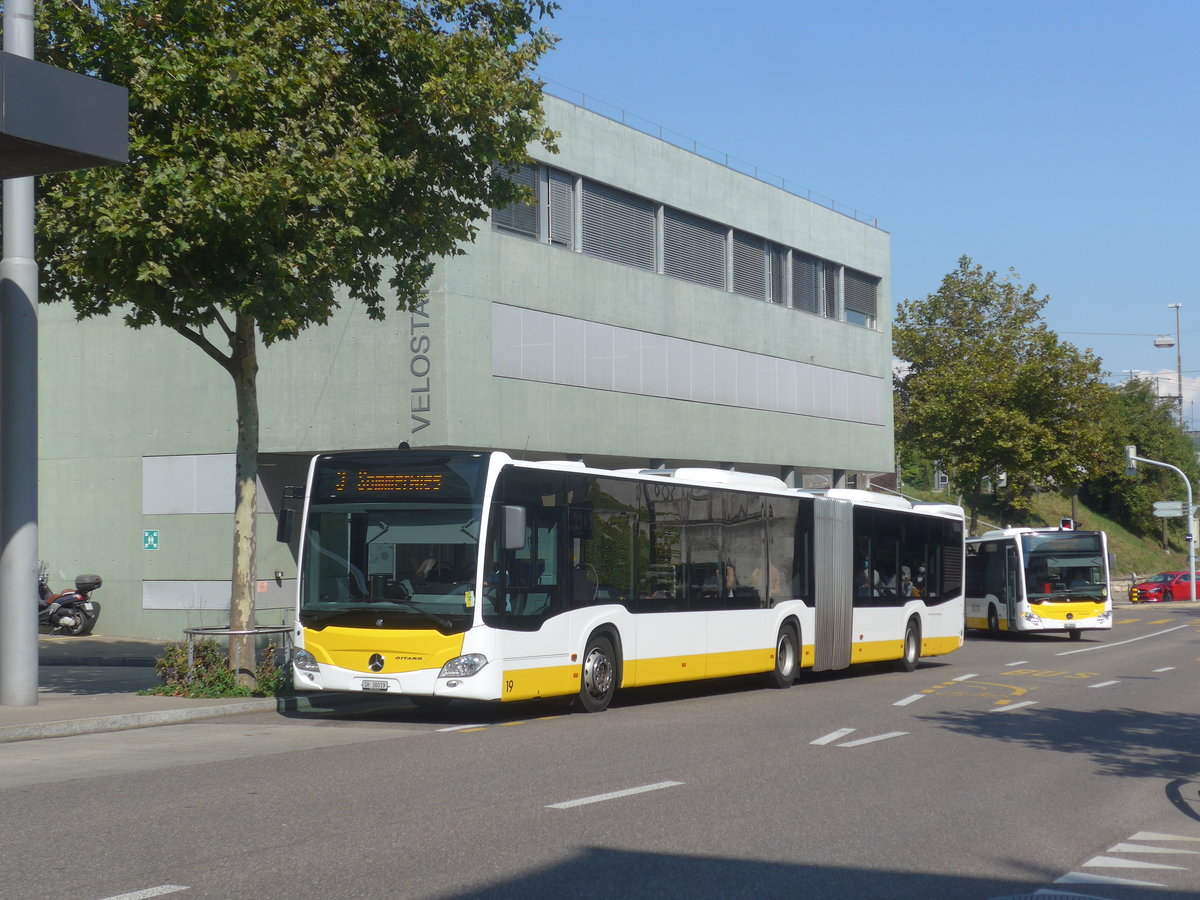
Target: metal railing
[675, 139]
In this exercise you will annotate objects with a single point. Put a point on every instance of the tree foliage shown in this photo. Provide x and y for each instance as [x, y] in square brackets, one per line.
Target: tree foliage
[1135, 414]
[987, 390]
[281, 151]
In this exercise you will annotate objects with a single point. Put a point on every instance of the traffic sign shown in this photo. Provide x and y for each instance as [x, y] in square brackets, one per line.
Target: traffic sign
[1166, 509]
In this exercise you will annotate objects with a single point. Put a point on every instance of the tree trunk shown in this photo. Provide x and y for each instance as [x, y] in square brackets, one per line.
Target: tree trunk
[244, 581]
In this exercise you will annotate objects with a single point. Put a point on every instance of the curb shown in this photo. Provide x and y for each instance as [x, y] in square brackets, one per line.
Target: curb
[320, 704]
[127, 721]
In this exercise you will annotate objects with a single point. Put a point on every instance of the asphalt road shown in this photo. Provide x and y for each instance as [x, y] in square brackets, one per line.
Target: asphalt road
[1012, 766]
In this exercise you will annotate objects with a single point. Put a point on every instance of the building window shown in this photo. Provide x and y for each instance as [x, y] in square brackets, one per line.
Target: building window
[861, 292]
[806, 282]
[749, 266]
[693, 249]
[776, 273]
[832, 271]
[561, 208]
[520, 217]
[618, 226]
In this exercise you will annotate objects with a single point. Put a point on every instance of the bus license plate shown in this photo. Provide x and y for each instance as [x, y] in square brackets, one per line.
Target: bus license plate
[374, 685]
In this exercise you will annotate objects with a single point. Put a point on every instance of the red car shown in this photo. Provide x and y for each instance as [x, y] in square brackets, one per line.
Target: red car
[1163, 586]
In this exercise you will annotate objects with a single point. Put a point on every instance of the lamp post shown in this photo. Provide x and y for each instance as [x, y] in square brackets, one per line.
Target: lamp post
[1178, 359]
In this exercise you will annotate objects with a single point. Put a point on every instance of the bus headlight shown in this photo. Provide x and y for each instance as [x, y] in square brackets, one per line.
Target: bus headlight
[1032, 618]
[463, 666]
[305, 661]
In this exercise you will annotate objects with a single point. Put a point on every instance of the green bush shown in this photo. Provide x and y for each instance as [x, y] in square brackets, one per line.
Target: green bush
[211, 675]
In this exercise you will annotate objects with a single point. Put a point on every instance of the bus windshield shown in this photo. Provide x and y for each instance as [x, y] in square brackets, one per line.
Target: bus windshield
[398, 542]
[1070, 563]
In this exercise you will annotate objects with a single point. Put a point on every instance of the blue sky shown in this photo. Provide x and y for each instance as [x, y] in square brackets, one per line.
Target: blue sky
[1058, 138]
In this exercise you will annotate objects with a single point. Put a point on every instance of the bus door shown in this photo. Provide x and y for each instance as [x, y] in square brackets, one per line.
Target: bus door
[833, 553]
[1013, 584]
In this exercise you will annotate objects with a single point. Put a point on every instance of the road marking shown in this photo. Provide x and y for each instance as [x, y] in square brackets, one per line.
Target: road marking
[1158, 836]
[1161, 622]
[1013, 706]
[461, 727]
[1166, 669]
[1119, 643]
[871, 740]
[1111, 862]
[1142, 848]
[834, 736]
[1019, 662]
[964, 677]
[150, 892]
[1104, 683]
[912, 698]
[613, 795]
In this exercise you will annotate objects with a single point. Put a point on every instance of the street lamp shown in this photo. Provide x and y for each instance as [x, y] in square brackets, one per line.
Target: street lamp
[1165, 341]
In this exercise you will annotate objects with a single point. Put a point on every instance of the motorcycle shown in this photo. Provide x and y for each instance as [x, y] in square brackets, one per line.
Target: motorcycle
[68, 612]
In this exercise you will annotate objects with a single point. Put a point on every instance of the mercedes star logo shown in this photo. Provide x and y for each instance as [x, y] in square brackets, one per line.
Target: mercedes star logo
[376, 662]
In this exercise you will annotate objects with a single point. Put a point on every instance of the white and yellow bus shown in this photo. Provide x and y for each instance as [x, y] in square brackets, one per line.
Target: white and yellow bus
[457, 574]
[1039, 579]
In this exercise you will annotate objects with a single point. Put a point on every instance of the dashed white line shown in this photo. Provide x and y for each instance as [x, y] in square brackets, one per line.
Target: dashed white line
[1165, 669]
[911, 698]
[1012, 706]
[613, 795]
[871, 740]
[150, 892]
[964, 677]
[1019, 662]
[1111, 862]
[1104, 683]
[462, 727]
[834, 736]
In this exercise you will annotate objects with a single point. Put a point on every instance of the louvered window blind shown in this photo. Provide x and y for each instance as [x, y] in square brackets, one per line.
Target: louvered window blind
[562, 208]
[749, 266]
[618, 226]
[861, 293]
[776, 273]
[693, 248]
[806, 282]
[519, 217]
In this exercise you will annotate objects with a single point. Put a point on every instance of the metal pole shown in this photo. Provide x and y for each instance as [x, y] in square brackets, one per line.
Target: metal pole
[1178, 359]
[18, 416]
[1191, 515]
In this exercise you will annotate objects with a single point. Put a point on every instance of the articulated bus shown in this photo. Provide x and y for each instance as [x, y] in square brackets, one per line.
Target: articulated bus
[457, 574]
[1038, 579]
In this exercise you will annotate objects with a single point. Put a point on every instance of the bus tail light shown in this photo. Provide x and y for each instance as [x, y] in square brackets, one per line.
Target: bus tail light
[463, 666]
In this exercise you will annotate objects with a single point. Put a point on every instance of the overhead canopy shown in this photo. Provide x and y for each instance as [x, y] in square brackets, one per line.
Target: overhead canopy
[52, 120]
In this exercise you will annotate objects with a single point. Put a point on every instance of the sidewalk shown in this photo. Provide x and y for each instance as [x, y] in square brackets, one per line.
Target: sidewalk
[90, 684]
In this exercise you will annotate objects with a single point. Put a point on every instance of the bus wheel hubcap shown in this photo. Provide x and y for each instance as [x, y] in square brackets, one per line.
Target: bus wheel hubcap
[597, 673]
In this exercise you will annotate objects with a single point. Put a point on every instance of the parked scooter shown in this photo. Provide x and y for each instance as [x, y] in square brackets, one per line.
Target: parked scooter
[68, 612]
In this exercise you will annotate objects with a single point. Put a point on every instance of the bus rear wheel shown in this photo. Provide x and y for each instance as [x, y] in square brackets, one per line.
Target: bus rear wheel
[787, 658]
[598, 679]
[993, 622]
[912, 646]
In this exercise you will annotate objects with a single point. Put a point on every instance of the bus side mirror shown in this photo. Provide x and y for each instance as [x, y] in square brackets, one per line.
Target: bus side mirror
[283, 529]
[514, 527]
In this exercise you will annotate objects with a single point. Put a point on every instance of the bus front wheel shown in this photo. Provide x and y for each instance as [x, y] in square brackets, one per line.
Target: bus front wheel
[787, 658]
[993, 621]
[912, 646]
[598, 679]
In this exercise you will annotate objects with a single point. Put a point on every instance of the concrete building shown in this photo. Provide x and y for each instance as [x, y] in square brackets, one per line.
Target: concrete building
[653, 306]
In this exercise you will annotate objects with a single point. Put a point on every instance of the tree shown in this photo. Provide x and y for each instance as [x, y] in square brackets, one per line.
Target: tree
[280, 149]
[1135, 414]
[986, 389]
